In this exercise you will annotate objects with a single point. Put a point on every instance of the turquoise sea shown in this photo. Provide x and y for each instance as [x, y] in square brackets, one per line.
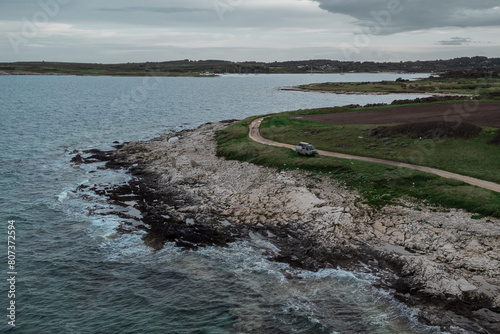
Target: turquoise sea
[74, 273]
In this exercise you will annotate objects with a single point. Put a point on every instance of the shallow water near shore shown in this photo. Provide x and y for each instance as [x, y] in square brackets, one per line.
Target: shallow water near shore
[77, 274]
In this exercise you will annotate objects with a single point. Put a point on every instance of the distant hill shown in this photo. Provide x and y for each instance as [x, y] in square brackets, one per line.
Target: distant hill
[465, 66]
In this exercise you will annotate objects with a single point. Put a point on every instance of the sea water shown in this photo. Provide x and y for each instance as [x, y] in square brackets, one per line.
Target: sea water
[75, 273]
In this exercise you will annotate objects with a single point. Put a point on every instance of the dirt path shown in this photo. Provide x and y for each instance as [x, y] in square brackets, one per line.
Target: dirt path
[255, 135]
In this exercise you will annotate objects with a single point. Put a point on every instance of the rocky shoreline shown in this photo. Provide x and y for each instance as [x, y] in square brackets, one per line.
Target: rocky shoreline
[442, 262]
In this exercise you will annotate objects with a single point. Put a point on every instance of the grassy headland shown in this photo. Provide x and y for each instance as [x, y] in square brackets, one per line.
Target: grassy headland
[433, 85]
[379, 184]
[176, 69]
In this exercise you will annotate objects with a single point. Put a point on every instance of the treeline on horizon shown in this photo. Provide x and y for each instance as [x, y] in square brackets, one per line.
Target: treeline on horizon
[458, 67]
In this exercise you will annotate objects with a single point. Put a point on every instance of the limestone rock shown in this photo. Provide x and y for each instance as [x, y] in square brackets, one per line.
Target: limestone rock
[441, 251]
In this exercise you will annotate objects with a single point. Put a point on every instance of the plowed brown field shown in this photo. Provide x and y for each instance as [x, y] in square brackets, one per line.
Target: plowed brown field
[479, 113]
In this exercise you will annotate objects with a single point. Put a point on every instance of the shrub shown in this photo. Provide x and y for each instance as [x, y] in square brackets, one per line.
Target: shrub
[496, 140]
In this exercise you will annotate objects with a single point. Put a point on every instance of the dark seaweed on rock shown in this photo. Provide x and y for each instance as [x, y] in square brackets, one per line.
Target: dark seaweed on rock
[428, 130]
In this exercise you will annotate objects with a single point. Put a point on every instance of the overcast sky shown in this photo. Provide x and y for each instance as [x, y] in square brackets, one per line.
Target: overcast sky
[113, 31]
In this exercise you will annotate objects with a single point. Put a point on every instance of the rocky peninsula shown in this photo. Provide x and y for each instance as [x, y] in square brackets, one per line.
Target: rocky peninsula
[443, 263]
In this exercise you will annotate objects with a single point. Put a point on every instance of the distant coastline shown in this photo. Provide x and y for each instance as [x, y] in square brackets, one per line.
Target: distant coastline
[201, 75]
[208, 68]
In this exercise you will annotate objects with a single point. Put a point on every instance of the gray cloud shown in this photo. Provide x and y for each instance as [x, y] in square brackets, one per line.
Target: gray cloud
[195, 15]
[149, 12]
[128, 30]
[394, 16]
[456, 41]
[164, 10]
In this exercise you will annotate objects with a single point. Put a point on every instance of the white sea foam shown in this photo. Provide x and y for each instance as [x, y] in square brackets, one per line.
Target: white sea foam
[127, 247]
[105, 226]
[337, 274]
[62, 196]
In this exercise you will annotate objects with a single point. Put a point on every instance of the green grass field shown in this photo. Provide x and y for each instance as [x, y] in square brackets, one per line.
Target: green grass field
[472, 157]
[430, 85]
[378, 184]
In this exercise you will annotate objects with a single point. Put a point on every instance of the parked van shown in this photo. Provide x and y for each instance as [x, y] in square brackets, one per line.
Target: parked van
[305, 149]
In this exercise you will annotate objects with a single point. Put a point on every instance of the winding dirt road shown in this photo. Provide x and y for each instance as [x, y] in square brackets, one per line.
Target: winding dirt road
[255, 135]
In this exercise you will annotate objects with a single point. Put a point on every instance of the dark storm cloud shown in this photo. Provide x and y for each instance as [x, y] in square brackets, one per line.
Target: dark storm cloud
[394, 16]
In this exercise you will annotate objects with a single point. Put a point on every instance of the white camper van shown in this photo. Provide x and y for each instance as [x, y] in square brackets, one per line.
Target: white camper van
[305, 149]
